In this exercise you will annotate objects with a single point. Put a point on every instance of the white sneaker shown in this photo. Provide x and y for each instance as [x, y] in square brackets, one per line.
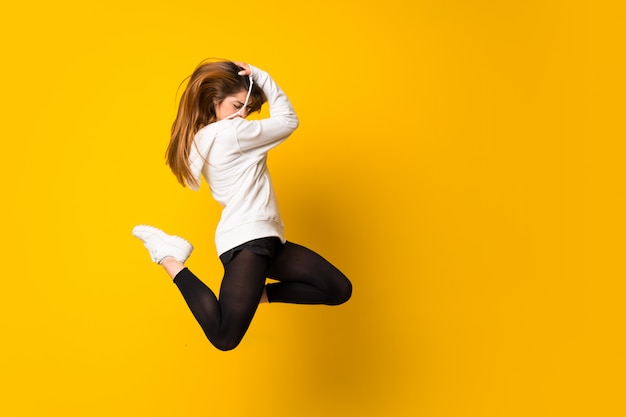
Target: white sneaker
[161, 245]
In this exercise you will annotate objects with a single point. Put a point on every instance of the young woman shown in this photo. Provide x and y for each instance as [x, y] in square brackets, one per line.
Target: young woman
[212, 138]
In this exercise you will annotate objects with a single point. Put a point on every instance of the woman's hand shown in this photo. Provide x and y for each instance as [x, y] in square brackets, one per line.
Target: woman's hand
[246, 68]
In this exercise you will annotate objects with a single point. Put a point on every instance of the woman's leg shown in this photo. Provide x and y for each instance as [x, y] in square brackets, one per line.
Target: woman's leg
[306, 278]
[225, 321]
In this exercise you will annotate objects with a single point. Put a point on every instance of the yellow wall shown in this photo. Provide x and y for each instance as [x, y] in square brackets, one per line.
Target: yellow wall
[460, 161]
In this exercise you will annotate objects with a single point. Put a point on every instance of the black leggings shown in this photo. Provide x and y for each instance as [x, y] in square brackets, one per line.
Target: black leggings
[303, 276]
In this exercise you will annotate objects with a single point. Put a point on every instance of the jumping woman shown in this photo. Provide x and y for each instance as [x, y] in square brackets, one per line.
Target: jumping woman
[212, 138]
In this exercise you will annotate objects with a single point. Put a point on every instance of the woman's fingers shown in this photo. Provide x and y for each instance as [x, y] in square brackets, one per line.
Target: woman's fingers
[246, 68]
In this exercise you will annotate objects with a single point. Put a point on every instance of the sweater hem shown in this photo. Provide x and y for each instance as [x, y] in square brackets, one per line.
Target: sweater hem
[247, 232]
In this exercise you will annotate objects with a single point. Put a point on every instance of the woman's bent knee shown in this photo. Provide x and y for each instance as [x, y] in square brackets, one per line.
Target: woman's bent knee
[341, 292]
[225, 345]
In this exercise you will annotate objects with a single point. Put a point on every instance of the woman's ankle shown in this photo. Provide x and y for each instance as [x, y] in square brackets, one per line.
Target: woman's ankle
[172, 266]
[264, 296]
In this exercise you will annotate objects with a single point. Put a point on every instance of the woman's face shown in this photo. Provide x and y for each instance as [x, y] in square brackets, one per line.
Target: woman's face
[231, 105]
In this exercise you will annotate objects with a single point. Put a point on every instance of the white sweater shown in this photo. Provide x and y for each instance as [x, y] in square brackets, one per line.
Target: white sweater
[231, 155]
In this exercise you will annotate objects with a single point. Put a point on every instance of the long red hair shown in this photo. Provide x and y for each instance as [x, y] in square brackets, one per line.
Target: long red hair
[208, 86]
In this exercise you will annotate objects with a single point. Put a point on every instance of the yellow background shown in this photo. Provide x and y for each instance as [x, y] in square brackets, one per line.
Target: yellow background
[460, 161]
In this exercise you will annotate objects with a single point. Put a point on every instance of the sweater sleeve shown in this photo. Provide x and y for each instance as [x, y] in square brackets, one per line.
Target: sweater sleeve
[269, 132]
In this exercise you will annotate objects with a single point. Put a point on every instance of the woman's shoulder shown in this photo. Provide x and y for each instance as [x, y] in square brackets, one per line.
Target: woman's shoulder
[221, 125]
[208, 132]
